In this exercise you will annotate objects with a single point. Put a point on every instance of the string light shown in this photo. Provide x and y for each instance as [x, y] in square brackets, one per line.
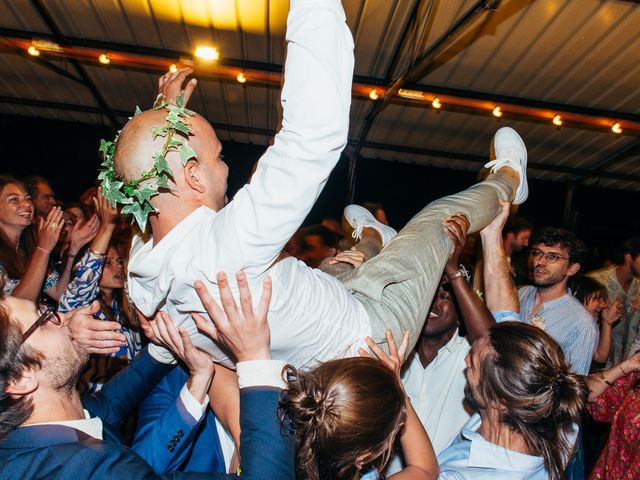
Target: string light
[207, 53]
[373, 94]
[557, 121]
[497, 112]
[436, 103]
[241, 78]
[173, 68]
[616, 128]
[33, 51]
[104, 59]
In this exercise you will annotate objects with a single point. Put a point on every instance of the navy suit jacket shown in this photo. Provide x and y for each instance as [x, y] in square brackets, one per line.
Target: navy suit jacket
[56, 452]
[169, 438]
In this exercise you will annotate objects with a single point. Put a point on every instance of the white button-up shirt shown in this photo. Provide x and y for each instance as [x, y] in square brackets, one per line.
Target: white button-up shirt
[312, 316]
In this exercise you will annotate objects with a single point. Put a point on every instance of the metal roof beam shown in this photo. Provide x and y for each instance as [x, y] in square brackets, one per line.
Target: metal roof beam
[59, 36]
[479, 159]
[596, 172]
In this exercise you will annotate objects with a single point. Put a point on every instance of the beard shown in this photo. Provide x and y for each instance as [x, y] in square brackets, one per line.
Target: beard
[64, 371]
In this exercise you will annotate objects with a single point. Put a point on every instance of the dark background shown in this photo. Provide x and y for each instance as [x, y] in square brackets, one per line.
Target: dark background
[66, 154]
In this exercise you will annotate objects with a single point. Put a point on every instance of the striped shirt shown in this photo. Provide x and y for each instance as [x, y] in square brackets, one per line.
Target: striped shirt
[567, 321]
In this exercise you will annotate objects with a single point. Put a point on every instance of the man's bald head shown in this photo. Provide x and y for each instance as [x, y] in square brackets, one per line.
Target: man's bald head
[202, 181]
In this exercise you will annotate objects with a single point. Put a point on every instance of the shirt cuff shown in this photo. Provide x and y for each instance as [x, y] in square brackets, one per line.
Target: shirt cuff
[505, 316]
[161, 354]
[263, 373]
[195, 408]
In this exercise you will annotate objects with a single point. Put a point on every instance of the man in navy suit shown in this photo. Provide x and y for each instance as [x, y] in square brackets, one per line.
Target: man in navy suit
[47, 431]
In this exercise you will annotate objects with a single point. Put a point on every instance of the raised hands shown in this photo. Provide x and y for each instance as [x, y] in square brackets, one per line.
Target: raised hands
[83, 232]
[49, 229]
[243, 330]
[171, 84]
[92, 334]
[613, 312]
[396, 355]
[352, 257]
[455, 227]
[107, 213]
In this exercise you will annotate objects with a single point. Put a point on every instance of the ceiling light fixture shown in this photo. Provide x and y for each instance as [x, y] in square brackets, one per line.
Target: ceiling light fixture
[208, 53]
[104, 59]
[557, 121]
[173, 68]
[616, 128]
[33, 51]
[373, 95]
[497, 112]
[241, 78]
[437, 104]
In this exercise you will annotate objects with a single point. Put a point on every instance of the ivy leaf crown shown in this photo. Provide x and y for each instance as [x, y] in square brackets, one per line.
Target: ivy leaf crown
[135, 195]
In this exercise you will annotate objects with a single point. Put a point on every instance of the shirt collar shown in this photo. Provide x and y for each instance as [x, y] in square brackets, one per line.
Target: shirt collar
[484, 454]
[90, 426]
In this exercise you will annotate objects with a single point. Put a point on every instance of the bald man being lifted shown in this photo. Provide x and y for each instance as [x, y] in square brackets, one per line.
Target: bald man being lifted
[194, 235]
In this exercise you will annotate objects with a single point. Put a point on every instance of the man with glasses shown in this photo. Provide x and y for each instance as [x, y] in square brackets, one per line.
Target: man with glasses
[554, 257]
[48, 432]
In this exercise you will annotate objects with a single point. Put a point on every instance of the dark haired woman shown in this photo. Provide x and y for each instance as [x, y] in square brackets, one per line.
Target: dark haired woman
[593, 295]
[25, 249]
[100, 277]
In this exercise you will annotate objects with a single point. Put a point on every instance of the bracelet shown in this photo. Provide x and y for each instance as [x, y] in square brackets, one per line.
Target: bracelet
[622, 370]
[44, 249]
[601, 376]
[454, 275]
[97, 254]
[462, 272]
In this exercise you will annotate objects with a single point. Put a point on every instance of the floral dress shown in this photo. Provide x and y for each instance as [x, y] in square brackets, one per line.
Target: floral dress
[620, 406]
[11, 283]
[83, 290]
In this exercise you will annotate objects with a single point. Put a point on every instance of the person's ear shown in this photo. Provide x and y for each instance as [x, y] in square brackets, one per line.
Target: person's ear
[192, 176]
[573, 269]
[26, 384]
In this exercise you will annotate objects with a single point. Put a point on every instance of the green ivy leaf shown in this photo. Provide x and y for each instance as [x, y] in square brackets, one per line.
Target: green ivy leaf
[180, 102]
[137, 111]
[182, 127]
[186, 152]
[163, 180]
[159, 132]
[144, 194]
[140, 213]
[161, 164]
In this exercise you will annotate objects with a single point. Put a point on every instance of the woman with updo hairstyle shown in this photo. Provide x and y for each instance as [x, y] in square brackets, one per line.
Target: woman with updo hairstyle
[347, 414]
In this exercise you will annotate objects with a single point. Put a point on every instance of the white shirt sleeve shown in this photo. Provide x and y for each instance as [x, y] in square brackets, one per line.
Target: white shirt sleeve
[316, 97]
[161, 354]
[195, 408]
[264, 373]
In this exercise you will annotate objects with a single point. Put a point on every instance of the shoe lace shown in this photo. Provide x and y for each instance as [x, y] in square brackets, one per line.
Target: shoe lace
[357, 232]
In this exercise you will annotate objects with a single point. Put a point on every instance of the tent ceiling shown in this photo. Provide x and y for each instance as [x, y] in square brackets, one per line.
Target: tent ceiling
[582, 54]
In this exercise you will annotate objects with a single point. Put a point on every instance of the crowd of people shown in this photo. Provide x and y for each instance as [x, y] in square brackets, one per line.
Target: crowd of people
[155, 329]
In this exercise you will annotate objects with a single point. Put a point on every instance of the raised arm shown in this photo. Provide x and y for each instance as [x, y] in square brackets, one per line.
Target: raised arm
[475, 314]
[499, 289]
[31, 283]
[316, 98]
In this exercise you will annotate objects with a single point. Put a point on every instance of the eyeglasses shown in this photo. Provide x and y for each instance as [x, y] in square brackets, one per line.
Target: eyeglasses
[49, 315]
[550, 257]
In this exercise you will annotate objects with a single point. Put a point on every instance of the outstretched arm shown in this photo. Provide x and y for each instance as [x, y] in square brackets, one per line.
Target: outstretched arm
[316, 98]
[499, 288]
[474, 313]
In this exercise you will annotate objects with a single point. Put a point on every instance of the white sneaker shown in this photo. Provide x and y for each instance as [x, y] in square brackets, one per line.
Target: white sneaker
[359, 217]
[510, 151]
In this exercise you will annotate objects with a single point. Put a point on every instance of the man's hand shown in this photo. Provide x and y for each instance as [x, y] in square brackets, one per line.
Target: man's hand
[455, 227]
[244, 331]
[352, 257]
[613, 312]
[170, 84]
[495, 227]
[92, 334]
[200, 366]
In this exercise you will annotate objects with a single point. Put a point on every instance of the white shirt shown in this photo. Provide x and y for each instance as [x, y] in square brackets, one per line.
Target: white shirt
[437, 391]
[312, 316]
